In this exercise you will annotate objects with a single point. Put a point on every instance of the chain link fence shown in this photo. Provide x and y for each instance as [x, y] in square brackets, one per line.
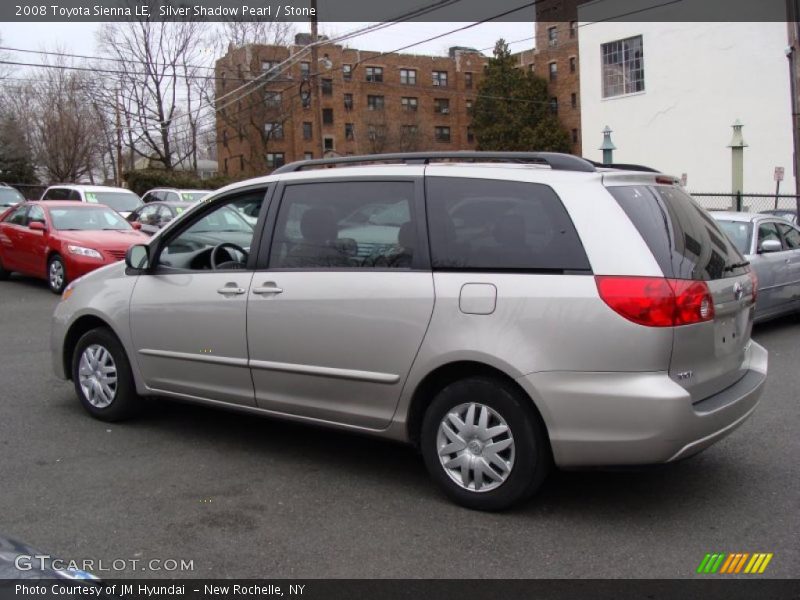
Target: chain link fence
[745, 202]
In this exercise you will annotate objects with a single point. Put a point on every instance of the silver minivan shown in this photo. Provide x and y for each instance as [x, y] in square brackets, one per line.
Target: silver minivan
[503, 312]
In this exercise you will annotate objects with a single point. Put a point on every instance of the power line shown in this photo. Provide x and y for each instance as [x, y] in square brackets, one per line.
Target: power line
[91, 57]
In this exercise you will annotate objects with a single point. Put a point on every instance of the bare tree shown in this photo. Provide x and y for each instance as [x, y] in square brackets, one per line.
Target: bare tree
[240, 33]
[159, 64]
[61, 123]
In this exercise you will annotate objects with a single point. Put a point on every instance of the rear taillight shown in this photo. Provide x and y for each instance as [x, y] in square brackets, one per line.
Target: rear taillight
[754, 280]
[657, 301]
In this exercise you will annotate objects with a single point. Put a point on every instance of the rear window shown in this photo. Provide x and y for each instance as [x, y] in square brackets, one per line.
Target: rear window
[685, 241]
[484, 224]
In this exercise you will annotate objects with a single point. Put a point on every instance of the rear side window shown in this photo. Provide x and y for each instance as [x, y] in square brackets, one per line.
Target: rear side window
[57, 194]
[485, 224]
[685, 240]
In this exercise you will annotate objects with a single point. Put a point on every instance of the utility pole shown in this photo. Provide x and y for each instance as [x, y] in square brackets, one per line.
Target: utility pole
[118, 177]
[313, 72]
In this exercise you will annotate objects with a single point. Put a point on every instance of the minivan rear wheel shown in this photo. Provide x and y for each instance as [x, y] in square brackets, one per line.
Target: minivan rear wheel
[484, 444]
[102, 377]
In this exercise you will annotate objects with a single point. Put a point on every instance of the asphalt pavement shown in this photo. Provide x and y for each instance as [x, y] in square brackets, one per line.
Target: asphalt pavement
[247, 497]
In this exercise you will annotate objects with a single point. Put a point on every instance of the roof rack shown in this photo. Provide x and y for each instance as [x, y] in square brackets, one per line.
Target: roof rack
[556, 161]
[623, 166]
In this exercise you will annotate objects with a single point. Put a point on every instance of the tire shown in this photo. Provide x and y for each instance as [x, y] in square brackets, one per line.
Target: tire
[3, 273]
[97, 350]
[56, 274]
[527, 458]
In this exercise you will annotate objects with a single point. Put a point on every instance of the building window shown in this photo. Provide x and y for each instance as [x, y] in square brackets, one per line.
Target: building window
[574, 136]
[468, 81]
[470, 136]
[573, 29]
[376, 132]
[439, 78]
[573, 99]
[327, 87]
[349, 131]
[347, 72]
[274, 131]
[307, 130]
[268, 65]
[308, 156]
[408, 76]
[327, 143]
[553, 71]
[552, 36]
[442, 134]
[572, 64]
[554, 105]
[469, 107]
[623, 67]
[305, 98]
[441, 106]
[327, 116]
[374, 102]
[408, 130]
[348, 101]
[408, 103]
[531, 68]
[305, 70]
[374, 74]
[275, 159]
[272, 99]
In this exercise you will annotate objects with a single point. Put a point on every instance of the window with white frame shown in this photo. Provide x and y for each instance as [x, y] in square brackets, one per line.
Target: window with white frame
[274, 131]
[623, 67]
[275, 159]
[408, 76]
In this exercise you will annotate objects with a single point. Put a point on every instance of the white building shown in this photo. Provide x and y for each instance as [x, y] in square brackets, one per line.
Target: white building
[670, 92]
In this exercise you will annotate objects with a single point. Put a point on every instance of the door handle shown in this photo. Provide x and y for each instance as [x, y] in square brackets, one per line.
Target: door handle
[231, 289]
[268, 288]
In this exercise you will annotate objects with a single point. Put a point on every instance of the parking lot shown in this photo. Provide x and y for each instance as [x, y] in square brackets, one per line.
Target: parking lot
[247, 497]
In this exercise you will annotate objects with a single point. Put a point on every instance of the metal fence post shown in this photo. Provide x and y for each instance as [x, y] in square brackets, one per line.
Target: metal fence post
[739, 201]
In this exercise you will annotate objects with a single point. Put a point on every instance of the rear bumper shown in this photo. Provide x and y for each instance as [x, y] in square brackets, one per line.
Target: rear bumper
[605, 419]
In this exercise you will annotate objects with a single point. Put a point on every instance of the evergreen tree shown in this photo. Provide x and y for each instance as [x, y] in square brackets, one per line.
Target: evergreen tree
[512, 110]
[16, 158]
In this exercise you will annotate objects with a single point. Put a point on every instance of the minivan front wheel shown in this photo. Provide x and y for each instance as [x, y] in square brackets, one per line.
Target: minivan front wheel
[102, 376]
[484, 445]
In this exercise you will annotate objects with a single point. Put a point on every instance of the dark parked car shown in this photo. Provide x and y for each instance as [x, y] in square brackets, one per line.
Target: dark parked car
[153, 216]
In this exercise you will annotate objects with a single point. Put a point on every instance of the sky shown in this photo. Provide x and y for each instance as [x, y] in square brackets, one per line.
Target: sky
[79, 38]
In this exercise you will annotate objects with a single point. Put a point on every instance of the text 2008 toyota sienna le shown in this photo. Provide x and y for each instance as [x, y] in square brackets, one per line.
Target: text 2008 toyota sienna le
[501, 311]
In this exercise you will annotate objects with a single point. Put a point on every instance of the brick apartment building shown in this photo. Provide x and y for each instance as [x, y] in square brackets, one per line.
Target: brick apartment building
[351, 102]
[555, 57]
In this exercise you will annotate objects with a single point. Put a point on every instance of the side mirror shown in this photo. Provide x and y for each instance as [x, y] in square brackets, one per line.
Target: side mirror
[137, 258]
[37, 226]
[767, 246]
[136, 225]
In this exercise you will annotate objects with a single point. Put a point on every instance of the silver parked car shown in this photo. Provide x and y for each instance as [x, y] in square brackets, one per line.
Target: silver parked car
[772, 245]
[503, 312]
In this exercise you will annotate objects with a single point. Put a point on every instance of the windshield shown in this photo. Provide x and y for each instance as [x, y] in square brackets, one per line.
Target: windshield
[194, 196]
[120, 201]
[739, 233]
[76, 218]
[10, 197]
[221, 220]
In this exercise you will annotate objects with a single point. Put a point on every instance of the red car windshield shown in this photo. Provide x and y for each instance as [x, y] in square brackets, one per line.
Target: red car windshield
[76, 218]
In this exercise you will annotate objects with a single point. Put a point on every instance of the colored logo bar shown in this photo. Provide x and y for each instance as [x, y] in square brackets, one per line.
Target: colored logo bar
[735, 562]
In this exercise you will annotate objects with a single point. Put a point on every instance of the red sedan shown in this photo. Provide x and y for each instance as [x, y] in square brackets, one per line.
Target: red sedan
[60, 241]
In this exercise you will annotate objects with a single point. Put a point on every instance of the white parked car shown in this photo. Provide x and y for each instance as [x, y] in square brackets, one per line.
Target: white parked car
[119, 199]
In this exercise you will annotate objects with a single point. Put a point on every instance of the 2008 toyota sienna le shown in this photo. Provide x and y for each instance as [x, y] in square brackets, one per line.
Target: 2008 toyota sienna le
[502, 311]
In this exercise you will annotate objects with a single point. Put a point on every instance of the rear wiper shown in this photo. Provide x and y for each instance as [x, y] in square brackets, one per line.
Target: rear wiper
[736, 266]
